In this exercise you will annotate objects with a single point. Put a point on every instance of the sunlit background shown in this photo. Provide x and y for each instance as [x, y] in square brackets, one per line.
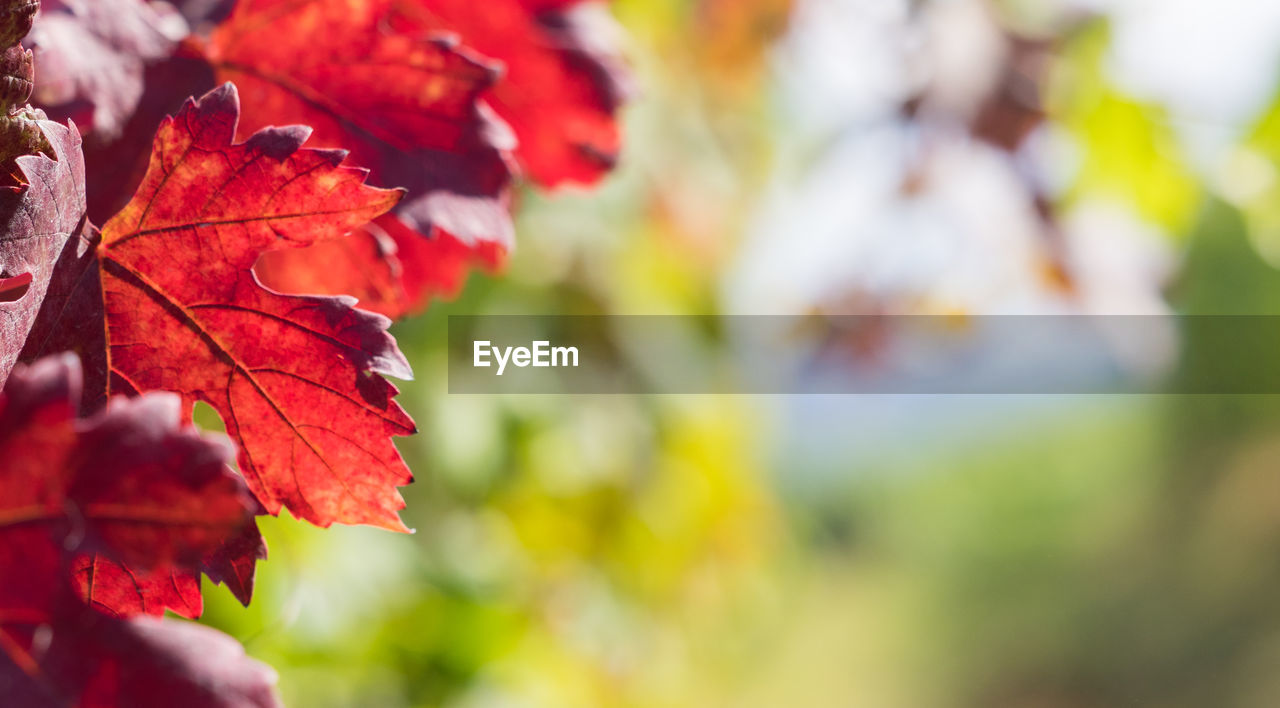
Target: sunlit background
[842, 156]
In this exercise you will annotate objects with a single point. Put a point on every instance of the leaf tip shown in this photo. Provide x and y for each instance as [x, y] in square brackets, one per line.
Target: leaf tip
[227, 92]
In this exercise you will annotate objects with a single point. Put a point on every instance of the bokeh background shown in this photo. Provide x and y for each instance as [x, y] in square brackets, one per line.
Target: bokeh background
[839, 156]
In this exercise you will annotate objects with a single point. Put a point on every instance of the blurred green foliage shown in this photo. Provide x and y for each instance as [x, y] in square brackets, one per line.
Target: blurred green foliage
[633, 551]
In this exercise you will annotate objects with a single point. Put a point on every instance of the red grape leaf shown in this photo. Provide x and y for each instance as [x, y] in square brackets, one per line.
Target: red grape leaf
[129, 483]
[94, 661]
[294, 378]
[36, 221]
[381, 79]
[92, 55]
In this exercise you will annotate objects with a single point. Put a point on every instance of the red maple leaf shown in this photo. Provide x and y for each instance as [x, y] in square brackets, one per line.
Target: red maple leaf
[177, 308]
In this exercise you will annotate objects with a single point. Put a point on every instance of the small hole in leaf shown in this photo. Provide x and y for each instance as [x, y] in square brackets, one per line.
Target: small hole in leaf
[206, 418]
[12, 289]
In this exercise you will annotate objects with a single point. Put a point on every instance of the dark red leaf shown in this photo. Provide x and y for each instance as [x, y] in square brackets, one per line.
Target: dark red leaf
[129, 483]
[36, 220]
[234, 563]
[92, 55]
[90, 660]
[115, 166]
